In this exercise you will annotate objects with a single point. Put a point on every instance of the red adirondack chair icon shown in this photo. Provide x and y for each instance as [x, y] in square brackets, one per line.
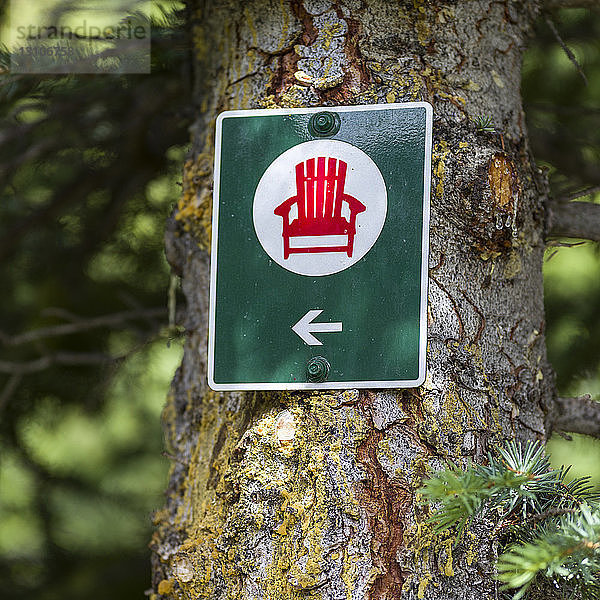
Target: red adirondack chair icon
[320, 200]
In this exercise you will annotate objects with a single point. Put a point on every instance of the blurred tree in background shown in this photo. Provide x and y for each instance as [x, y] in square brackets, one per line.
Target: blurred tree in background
[89, 169]
[563, 111]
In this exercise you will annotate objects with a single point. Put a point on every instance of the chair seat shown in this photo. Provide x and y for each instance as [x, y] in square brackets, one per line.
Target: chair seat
[335, 226]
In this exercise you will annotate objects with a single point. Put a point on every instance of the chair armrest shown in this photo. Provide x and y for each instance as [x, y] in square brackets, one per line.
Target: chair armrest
[283, 210]
[356, 206]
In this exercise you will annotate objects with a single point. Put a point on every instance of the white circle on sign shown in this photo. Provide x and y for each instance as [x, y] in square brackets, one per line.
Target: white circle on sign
[319, 207]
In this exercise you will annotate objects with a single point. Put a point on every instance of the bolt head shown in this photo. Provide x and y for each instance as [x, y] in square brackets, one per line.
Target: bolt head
[317, 369]
[324, 124]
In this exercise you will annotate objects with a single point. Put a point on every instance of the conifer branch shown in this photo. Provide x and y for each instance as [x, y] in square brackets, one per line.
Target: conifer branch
[581, 193]
[566, 50]
[112, 320]
[577, 415]
[570, 551]
[549, 527]
[575, 220]
[555, 4]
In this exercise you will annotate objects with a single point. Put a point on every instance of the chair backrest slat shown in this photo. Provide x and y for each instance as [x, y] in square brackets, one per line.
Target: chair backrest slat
[301, 192]
[330, 188]
[340, 180]
[310, 189]
[320, 191]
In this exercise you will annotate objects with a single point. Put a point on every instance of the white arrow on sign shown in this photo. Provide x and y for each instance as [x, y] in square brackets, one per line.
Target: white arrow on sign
[305, 328]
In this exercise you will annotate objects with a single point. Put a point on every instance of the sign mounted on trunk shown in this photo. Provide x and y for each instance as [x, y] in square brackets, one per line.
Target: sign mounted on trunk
[319, 248]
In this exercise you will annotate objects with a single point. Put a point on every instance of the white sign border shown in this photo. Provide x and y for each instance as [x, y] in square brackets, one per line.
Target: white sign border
[328, 385]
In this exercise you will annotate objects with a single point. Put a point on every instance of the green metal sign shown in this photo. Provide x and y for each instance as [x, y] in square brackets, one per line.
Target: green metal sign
[319, 248]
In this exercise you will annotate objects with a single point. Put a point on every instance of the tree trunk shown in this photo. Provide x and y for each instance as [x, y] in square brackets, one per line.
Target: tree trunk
[334, 513]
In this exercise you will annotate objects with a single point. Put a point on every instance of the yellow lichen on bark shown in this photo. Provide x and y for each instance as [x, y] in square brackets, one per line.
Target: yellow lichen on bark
[284, 454]
[424, 543]
[194, 208]
[440, 155]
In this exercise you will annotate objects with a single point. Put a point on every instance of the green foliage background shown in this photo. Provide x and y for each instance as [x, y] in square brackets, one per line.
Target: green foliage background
[89, 171]
[563, 116]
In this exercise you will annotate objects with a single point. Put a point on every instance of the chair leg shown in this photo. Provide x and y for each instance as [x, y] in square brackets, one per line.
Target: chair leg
[350, 247]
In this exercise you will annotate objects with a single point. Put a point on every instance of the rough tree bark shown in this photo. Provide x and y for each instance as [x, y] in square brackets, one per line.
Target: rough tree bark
[334, 513]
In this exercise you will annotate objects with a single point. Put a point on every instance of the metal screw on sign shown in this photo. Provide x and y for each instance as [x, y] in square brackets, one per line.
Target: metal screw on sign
[317, 369]
[324, 124]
